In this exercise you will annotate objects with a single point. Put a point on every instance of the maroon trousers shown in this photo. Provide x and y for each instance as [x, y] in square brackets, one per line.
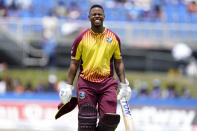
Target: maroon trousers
[103, 95]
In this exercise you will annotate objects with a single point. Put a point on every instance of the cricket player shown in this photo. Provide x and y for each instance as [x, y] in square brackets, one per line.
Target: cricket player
[97, 51]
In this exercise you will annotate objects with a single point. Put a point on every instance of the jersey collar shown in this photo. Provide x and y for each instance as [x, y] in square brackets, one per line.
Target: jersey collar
[105, 29]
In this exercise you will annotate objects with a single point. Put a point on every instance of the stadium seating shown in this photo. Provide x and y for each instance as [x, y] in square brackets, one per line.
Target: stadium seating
[172, 11]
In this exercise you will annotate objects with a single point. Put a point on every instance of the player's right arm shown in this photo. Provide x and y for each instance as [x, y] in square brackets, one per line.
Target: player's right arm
[66, 88]
[72, 71]
[76, 53]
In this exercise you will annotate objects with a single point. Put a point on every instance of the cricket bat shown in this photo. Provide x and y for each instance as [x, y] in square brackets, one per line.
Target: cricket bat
[128, 121]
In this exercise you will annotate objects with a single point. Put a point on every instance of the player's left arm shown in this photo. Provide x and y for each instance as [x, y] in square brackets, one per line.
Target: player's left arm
[118, 62]
[119, 68]
[124, 88]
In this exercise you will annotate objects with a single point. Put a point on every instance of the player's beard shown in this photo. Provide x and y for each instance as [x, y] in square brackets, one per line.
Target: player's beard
[98, 26]
[97, 23]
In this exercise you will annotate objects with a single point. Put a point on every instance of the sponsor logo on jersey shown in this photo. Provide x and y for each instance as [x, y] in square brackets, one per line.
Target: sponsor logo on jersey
[109, 40]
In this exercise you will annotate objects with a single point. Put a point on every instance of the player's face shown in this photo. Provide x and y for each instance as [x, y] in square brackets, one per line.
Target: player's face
[96, 16]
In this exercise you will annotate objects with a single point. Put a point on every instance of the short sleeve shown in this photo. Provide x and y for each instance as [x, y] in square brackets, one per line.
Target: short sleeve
[77, 47]
[76, 51]
[117, 52]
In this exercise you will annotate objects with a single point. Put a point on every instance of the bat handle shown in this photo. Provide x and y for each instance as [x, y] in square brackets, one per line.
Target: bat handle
[123, 99]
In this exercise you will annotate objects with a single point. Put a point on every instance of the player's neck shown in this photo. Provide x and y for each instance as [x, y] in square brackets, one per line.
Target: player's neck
[98, 29]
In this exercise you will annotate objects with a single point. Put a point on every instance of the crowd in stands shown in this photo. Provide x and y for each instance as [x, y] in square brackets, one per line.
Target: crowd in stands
[116, 10]
[139, 89]
[155, 90]
[17, 86]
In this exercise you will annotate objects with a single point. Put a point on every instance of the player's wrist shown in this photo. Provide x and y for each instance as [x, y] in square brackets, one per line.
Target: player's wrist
[124, 85]
[64, 85]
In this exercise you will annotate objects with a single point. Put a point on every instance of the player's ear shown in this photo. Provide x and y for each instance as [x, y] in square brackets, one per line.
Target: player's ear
[89, 17]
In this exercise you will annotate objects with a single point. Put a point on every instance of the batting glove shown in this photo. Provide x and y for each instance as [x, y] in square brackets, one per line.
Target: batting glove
[65, 92]
[124, 90]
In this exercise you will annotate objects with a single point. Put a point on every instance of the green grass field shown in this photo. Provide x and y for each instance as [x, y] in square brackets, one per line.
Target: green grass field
[35, 76]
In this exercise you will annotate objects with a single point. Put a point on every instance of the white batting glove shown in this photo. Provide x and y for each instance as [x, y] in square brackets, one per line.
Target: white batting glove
[65, 92]
[125, 90]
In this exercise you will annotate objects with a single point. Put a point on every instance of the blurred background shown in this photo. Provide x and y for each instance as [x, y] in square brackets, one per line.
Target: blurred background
[159, 47]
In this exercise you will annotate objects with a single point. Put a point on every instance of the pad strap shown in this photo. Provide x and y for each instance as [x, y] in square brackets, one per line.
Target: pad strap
[87, 118]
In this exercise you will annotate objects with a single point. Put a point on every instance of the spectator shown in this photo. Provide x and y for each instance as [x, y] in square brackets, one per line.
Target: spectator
[25, 9]
[18, 87]
[143, 90]
[40, 88]
[3, 66]
[134, 12]
[191, 68]
[25, 4]
[12, 5]
[9, 84]
[29, 88]
[156, 14]
[49, 24]
[156, 92]
[60, 10]
[49, 42]
[3, 9]
[13, 8]
[74, 11]
[181, 52]
[192, 7]
[121, 1]
[49, 45]
[2, 86]
[52, 83]
[171, 91]
[185, 92]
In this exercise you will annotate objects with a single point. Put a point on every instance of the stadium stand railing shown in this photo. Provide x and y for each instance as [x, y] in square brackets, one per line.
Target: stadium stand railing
[146, 35]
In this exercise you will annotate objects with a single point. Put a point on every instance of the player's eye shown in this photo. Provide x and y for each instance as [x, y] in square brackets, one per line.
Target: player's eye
[95, 14]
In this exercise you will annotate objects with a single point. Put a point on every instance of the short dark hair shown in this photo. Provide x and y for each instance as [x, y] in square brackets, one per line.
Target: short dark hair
[96, 5]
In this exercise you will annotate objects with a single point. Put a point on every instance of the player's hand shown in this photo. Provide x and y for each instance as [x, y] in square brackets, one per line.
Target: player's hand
[125, 90]
[65, 92]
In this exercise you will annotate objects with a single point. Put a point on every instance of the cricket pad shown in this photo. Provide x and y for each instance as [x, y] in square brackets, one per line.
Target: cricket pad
[66, 108]
[108, 122]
